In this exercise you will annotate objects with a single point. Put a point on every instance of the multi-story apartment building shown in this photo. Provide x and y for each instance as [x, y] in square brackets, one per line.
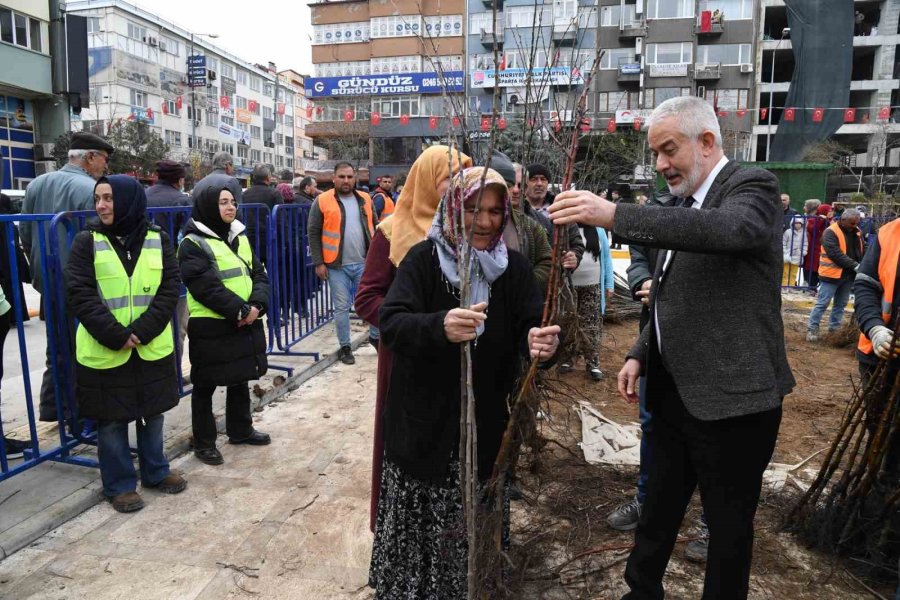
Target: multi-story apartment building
[544, 51]
[381, 72]
[870, 129]
[657, 49]
[304, 149]
[37, 85]
[139, 70]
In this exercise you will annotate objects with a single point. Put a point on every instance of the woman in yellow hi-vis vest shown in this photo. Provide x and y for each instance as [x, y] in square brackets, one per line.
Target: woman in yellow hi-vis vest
[228, 290]
[122, 282]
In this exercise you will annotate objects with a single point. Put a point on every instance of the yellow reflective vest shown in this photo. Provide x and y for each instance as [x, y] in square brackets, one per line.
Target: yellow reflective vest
[234, 269]
[127, 298]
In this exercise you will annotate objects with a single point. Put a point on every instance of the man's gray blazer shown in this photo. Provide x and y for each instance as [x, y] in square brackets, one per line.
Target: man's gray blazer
[719, 304]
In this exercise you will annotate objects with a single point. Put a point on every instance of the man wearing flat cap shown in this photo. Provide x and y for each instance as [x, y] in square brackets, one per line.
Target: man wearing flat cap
[69, 189]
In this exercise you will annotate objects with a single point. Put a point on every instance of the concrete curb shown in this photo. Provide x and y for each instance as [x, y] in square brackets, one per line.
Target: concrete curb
[176, 445]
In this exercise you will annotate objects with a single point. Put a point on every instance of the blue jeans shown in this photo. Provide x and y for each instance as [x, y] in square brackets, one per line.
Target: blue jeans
[646, 455]
[840, 293]
[116, 466]
[343, 283]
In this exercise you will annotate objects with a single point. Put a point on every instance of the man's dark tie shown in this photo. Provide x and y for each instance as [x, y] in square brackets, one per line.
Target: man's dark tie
[686, 202]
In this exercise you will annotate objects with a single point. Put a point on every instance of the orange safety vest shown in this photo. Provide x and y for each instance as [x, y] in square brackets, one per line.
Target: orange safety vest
[388, 206]
[826, 267]
[889, 241]
[331, 223]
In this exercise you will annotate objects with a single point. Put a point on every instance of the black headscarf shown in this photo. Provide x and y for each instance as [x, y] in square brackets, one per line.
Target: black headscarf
[591, 240]
[129, 208]
[206, 208]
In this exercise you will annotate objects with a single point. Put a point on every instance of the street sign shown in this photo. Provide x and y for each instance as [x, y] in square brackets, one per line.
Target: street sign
[197, 60]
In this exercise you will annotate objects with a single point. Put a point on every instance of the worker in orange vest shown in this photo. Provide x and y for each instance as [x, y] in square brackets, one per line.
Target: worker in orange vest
[842, 249]
[340, 228]
[876, 306]
[382, 198]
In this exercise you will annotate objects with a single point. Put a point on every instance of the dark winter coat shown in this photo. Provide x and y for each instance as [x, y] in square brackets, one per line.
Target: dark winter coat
[421, 419]
[167, 196]
[138, 388]
[221, 352]
[257, 223]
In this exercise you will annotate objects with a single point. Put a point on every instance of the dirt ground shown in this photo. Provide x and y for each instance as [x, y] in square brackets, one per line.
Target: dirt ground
[562, 519]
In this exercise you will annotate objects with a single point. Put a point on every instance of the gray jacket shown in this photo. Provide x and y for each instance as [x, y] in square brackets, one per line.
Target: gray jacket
[719, 305]
[69, 189]
[216, 176]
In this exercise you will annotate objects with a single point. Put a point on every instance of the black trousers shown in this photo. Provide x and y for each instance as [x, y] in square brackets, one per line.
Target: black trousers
[726, 458]
[238, 422]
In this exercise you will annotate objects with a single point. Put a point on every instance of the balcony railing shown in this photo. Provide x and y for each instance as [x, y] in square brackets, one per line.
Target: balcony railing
[633, 29]
[707, 71]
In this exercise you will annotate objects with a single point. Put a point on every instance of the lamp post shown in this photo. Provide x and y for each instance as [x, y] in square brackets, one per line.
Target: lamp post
[193, 92]
[784, 33]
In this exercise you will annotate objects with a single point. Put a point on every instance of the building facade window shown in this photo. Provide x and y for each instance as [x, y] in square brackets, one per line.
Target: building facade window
[93, 24]
[173, 138]
[268, 89]
[732, 10]
[267, 112]
[228, 70]
[341, 33]
[527, 16]
[613, 101]
[255, 132]
[396, 64]
[443, 64]
[229, 148]
[670, 9]
[241, 102]
[172, 108]
[170, 46]
[727, 99]
[21, 30]
[613, 16]
[255, 83]
[396, 106]
[614, 57]
[255, 156]
[443, 26]
[139, 98]
[579, 59]
[726, 54]
[212, 119]
[242, 77]
[242, 151]
[228, 121]
[656, 96]
[676, 52]
[395, 26]
[137, 32]
[342, 69]
[334, 109]
[479, 22]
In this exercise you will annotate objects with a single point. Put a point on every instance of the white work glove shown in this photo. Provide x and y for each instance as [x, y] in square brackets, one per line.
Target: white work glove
[881, 338]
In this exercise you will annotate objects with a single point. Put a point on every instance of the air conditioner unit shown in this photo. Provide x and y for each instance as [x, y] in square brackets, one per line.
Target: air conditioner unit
[746, 68]
[44, 166]
[197, 122]
[211, 75]
[153, 41]
[43, 151]
[162, 46]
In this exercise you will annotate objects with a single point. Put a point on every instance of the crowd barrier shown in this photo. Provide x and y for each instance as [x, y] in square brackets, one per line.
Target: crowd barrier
[804, 246]
[299, 305]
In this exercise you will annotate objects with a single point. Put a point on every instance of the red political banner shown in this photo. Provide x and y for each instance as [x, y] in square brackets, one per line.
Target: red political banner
[706, 21]
[502, 123]
[763, 112]
[741, 113]
[433, 123]
[456, 121]
[223, 102]
[884, 113]
[279, 108]
[253, 106]
[178, 102]
[375, 118]
[348, 115]
[611, 125]
[404, 120]
[485, 124]
[818, 115]
[789, 114]
[850, 115]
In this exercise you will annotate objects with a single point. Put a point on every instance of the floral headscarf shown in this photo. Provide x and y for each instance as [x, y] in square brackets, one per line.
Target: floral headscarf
[448, 235]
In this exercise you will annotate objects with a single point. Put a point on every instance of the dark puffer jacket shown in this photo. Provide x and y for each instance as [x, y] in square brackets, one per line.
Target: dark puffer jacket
[139, 388]
[221, 352]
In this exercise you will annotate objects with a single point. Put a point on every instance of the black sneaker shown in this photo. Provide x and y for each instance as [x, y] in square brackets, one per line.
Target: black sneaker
[626, 516]
[565, 368]
[595, 374]
[373, 341]
[346, 355]
[15, 448]
[697, 550]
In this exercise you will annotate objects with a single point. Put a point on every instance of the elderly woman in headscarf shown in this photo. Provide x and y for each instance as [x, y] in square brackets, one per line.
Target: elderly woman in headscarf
[420, 548]
[228, 290]
[428, 178]
[122, 282]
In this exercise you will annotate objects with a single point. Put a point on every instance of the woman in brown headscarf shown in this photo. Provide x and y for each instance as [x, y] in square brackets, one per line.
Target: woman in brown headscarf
[427, 180]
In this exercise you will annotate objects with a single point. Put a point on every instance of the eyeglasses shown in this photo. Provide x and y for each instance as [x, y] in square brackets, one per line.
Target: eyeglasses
[105, 157]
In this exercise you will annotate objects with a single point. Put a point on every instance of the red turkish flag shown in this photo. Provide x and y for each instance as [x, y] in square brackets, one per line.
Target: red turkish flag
[585, 124]
[884, 113]
[253, 106]
[178, 102]
[706, 21]
[557, 126]
[849, 115]
[319, 110]
[741, 113]
[149, 114]
[818, 115]
[723, 113]
[789, 114]
[309, 111]
[404, 119]
[611, 125]
[762, 113]
[165, 108]
[348, 115]
[456, 121]
[637, 124]
[433, 123]
[531, 123]
[223, 101]
[375, 118]
[502, 123]
[485, 124]
[279, 108]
